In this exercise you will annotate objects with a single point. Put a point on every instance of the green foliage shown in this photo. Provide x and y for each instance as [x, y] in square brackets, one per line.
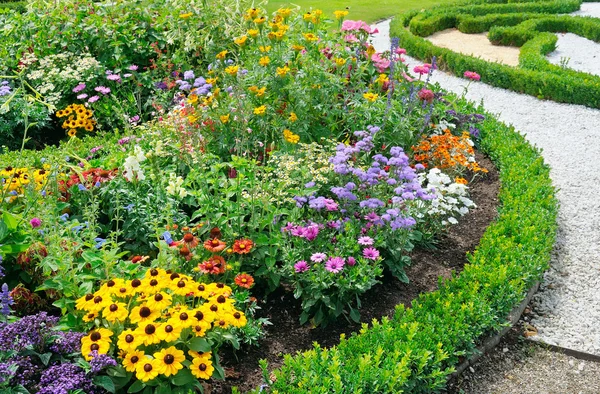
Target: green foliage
[417, 349]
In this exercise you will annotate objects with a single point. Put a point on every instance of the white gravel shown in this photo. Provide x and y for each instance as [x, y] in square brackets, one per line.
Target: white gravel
[576, 52]
[567, 306]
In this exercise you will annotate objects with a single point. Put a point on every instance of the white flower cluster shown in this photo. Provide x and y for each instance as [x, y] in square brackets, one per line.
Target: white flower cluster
[131, 167]
[174, 187]
[452, 197]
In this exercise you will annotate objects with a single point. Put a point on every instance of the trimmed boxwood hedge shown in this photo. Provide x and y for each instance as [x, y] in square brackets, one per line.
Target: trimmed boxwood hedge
[416, 350]
[535, 75]
[18, 6]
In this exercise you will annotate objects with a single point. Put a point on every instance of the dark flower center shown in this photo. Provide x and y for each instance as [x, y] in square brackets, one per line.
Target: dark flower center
[169, 328]
[183, 316]
[181, 284]
[220, 285]
[148, 367]
[135, 359]
[174, 275]
[150, 329]
[214, 308]
[145, 312]
[199, 315]
[113, 307]
[95, 347]
[95, 336]
[188, 237]
[158, 297]
[122, 290]
[153, 282]
[97, 300]
[202, 367]
[91, 315]
[89, 297]
[129, 338]
[110, 283]
[201, 288]
[222, 322]
[221, 299]
[169, 359]
[154, 272]
[136, 283]
[237, 315]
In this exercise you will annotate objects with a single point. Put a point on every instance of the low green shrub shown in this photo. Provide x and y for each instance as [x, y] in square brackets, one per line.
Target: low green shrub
[17, 6]
[417, 349]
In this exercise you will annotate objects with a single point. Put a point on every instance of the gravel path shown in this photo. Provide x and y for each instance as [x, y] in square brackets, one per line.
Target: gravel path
[567, 306]
[579, 53]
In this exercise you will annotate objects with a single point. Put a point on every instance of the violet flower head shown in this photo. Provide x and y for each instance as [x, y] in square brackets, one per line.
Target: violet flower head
[301, 266]
[4, 88]
[35, 222]
[100, 362]
[370, 253]
[65, 378]
[79, 88]
[133, 67]
[1, 268]
[189, 75]
[351, 261]
[5, 300]
[114, 77]
[67, 342]
[335, 264]
[93, 99]
[102, 89]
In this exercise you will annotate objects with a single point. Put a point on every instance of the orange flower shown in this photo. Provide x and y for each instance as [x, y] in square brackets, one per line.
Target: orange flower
[190, 240]
[214, 245]
[244, 280]
[243, 246]
[215, 265]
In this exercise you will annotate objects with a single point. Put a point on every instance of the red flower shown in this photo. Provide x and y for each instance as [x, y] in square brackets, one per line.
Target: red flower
[190, 240]
[243, 246]
[244, 280]
[215, 265]
[214, 245]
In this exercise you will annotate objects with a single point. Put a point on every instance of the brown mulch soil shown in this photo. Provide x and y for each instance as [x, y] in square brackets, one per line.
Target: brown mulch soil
[286, 335]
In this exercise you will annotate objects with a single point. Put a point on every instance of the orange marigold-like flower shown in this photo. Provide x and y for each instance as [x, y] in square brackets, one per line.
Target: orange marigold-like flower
[243, 246]
[190, 240]
[215, 265]
[214, 245]
[244, 280]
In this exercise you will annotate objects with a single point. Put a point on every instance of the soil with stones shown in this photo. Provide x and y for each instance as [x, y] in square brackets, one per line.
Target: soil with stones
[286, 335]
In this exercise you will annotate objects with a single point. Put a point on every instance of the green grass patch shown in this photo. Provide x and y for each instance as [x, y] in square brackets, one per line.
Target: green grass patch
[368, 10]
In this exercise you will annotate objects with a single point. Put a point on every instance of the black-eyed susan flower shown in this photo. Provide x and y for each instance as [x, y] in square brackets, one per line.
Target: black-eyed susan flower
[238, 319]
[99, 302]
[131, 359]
[159, 301]
[183, 318]
[84, 303]
[170, 360]
[91, 316]
[148, 332]
[202, 368]
[168, 332]
[152, 285]
[143, 314]
[115, 311]
[147, 369]
[129, 340]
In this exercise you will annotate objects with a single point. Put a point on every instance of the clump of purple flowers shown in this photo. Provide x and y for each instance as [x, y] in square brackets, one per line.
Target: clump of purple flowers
[5, 299]
[30, 331]
[67, 342]
[5, 89]
[100, 362]
[190, 82]
[65, 378]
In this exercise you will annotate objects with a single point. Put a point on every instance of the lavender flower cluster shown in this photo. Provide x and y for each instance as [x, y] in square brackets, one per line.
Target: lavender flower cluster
[30, 331]
[100, 362]
[67, 342]
[5, 89]
[202, 88]
[384, 172]
[65, 378]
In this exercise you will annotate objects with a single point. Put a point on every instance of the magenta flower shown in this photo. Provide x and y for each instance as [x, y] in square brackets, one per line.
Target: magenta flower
[365, 241]
[351, 261]
[102, 89]
[371, 253]
[79, 88]
[318, 257]
[335, 264]
[421, 69]
[114, 77]
[35, 222]
[93, 99]
[301, 266]
[472, 75]
[426, 95]
[133, 67]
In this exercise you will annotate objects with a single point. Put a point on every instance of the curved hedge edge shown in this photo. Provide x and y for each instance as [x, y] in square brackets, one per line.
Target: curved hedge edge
[564, 88]
[493, 340]
[418, 348]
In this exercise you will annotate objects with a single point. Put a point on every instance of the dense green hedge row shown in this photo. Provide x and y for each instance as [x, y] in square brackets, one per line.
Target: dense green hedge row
[416, 350]
[18, 6]
[535, 75]
[426, 23]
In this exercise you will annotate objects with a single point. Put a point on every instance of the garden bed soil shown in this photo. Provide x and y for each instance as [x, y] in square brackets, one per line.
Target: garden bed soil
[286, 335]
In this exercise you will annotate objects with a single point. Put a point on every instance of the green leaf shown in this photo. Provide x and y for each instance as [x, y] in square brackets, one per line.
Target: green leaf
[3, 230]
[355, 315]
[105, 382]
[183, 377]
[136, 387]
[163, 389]
[200, 345]
[10, 220]
[116, 371]
[45, 358]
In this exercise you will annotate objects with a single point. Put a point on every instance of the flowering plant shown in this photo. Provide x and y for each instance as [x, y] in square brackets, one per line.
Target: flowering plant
[164, 328]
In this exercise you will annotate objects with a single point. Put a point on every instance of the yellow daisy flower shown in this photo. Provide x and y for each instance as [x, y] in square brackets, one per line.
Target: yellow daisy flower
[147, 369]
[132, 359]
[115, 311]
[168, 332]
[170, 360]
[202, 368]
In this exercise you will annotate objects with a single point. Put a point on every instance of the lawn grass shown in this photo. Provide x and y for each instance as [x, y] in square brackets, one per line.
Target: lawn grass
[367, 10]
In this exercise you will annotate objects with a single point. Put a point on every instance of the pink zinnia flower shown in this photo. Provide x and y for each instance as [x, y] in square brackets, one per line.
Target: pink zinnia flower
[301, 266]
[318, 257]
[350, 38]
[35, 222]
[472, 75]
[421, 69]
[400, 51]
[371, 253]
[133, 67]
[426, 95]
[335, 264]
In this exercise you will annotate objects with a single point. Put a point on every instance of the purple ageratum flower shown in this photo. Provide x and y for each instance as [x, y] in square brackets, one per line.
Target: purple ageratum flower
[343, 194]
[79, 88]
[5, 300]
[161, 85]
[370, 253]
[322, 202]
[365, 241]
[189, 75]
[114, 77]
[335, 264]
[300, 201]
[309, 184]
[402, 223]
[372, 203]
[318, 257]
[396, 151]
[301, 266]
[93, 99]
[474, 131]
[102, 89]
[35, 222]
[4, 88]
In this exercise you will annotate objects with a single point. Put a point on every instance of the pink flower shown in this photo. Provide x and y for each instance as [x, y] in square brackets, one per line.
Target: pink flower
[472, 75]
[82, 96]
[349, 25]
[351, 261]
[318, 257]
[405, 76]
[350, 38]
[301, 266]
[335, 264]
[35, 222]
[400, 51]
[365, 241]
[421, 69]
[425, 95]
[371, 253]
[79, 88]
[93, 99]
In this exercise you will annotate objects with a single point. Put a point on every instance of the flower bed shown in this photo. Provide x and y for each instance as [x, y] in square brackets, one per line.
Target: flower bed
[288, 157]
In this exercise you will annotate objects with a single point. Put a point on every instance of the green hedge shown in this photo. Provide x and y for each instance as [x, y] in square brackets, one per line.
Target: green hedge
[416, 350]
[19, 6]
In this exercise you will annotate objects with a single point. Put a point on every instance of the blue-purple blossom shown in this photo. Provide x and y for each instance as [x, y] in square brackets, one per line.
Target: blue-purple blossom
[28, 331]
[5, 299]
[67, 342]
[100, 362]
[189, 75]
[65, 378]
[321, 202]
[99, 242]
[102, 89]
[309, 184]
[79, 88]
[371, 203]
[1, 268]
[167, 237]
[4, 88]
